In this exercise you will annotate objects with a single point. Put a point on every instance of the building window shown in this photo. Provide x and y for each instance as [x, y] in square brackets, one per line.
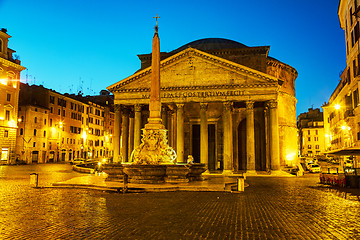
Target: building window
[1, 45]
[316, 138]
[45, 121]
[52, 99]
[7, 115]
[6, 133]
[309, 146]
[21, 131]
[316, 132]
[34, 144]
[35, 120]
[34, 132]
[308, 132]
[309, 139]
[50, 122]
[51, 110]
[8, 97]
[43, 145]
[317, 147]
[44, 133]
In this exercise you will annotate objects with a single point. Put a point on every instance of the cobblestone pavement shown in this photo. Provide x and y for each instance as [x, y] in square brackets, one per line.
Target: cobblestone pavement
[270, 208]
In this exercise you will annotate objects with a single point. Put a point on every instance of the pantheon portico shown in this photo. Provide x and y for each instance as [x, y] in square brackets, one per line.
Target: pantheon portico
[230, 106]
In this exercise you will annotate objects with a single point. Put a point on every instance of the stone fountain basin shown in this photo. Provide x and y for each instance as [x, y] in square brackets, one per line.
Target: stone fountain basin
[145, 173]
[153, 174]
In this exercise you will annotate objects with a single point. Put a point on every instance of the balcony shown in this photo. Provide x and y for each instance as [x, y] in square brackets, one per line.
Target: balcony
[349, 113]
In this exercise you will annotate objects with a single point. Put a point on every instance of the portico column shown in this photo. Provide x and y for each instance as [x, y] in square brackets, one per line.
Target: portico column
[180, 132]
[164, 116]
[137, 125]
[250, 136]
[204, 153]
[274, 136]
[125, 135]
[131, 133]
[117, 132]
[228, 138]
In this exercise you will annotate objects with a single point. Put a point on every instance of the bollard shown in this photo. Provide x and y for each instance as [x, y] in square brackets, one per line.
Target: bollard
[240, 185]
[34, 180]
[126, 181]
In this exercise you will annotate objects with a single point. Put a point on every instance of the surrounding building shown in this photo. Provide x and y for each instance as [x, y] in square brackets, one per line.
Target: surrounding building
[342, 112]
[228, 105]
[10, 69]
[60, 127]
[311, 133]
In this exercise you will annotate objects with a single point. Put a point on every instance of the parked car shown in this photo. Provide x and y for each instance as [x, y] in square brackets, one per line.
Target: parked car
[77, 161]
[314, 168]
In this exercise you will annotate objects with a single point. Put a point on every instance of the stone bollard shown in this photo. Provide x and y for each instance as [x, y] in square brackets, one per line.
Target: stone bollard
[34, 180]
[240, 185]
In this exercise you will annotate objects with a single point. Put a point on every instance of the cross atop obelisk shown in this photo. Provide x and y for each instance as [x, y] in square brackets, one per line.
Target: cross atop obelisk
[156, 18]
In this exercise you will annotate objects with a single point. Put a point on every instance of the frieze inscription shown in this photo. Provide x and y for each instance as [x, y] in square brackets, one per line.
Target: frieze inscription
[198, 94]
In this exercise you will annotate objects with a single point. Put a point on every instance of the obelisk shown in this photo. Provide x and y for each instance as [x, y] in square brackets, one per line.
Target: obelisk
[154, 121]
[154, 149]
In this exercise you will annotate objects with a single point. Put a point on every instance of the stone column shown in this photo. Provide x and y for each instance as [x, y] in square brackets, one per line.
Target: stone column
[274, 136]
[137, 125]
[117, 133]
[131, 133]
[204, 140]
[228, 138]
[250, 137]
[125, 135]
[267, 134]
[164, 116]
[180, 132]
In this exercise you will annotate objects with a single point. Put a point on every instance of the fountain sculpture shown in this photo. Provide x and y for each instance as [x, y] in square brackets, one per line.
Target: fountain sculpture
[153, 161]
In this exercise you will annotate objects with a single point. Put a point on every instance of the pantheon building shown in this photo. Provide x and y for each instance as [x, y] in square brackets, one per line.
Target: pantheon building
[228, 105]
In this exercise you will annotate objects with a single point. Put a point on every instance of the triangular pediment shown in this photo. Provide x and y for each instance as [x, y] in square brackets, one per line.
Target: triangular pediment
[192, 68]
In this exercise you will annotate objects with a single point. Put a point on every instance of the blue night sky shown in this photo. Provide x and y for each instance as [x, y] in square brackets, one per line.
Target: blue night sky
[73, 45]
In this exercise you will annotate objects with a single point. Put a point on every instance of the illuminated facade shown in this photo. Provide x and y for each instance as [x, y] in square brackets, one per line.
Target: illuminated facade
[60, 127]
[311, 133]
[10, 69]
[230, 106]
[342, 112]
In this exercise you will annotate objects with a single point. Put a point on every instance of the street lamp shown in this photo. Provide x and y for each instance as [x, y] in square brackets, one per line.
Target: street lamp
[337, 106]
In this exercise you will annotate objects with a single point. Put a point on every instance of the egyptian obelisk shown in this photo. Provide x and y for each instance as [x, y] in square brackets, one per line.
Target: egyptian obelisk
[154, 121]
[154, 149]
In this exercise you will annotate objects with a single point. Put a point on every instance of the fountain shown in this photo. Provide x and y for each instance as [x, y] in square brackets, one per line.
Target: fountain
[154, 161]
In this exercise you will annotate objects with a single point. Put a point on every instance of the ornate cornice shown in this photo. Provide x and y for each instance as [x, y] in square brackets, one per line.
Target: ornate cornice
[11, 64]
[276, 63]
[182, 88]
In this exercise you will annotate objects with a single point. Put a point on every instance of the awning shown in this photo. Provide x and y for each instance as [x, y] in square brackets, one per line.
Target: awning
[345, 152]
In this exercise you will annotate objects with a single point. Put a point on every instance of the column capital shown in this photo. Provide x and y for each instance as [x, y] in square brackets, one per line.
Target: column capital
[204, 106]
[125, 110]
[180, 105]
[272, 104]
[137, 107]
[227, 106]
[117, 107]
[250, 105]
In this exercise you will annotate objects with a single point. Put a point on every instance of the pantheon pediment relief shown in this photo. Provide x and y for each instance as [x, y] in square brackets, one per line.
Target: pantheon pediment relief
[194, 69]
